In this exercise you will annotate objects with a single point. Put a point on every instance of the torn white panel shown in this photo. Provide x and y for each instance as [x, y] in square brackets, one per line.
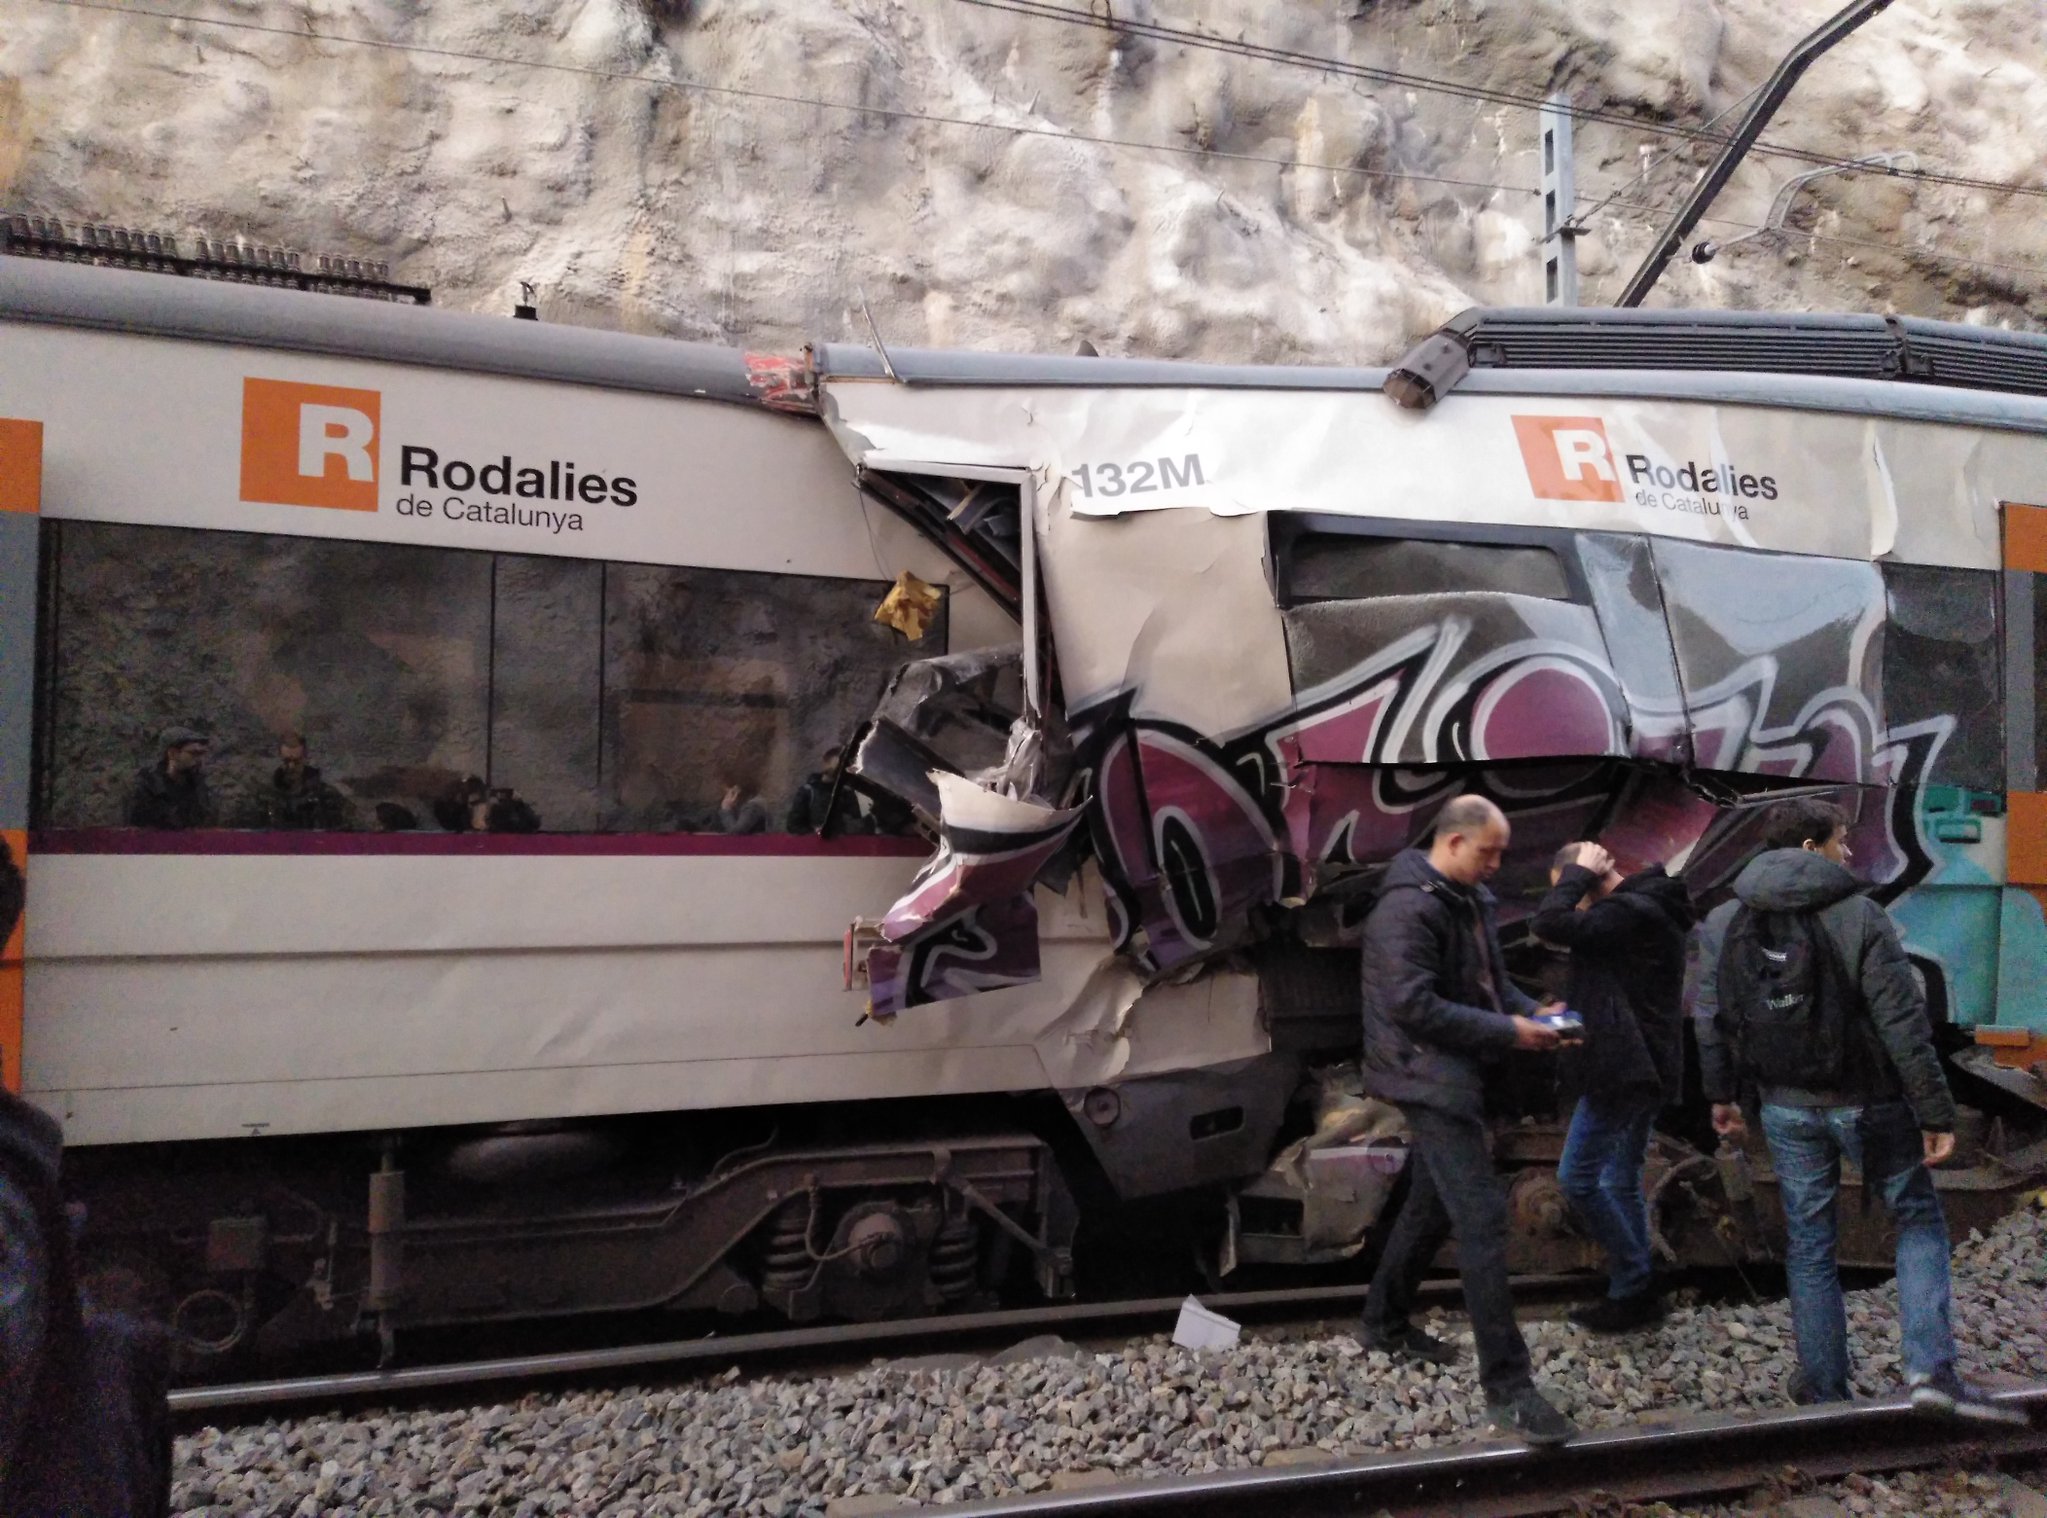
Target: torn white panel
[1115, 1027]
[1175, 608]
[1790, 481]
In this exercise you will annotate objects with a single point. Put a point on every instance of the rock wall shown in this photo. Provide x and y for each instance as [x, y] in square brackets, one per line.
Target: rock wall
[1281, 213]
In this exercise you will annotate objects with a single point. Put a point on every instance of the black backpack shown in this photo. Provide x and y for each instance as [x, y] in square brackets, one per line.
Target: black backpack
[1786, 1000]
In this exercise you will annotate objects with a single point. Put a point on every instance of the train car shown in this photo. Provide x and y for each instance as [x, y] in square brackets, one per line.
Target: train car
[1633, 575]
[633, 671]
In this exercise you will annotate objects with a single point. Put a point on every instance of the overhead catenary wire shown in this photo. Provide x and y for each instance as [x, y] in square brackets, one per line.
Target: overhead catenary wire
[1156, 31]
[775, 97]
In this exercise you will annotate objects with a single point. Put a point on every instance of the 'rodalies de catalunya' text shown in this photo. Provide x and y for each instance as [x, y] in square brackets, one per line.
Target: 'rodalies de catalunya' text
[422, 468]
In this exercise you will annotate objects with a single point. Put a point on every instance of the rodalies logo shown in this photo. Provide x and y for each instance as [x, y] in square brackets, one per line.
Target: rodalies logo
[309, 445]
[1568, 458]
[319, 445]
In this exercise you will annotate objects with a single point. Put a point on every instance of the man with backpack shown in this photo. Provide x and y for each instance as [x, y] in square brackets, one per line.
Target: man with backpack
[84, 1428]
[1807, 1009]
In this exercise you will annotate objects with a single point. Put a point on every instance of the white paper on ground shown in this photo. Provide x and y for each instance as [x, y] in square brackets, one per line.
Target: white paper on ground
[1199, 1328]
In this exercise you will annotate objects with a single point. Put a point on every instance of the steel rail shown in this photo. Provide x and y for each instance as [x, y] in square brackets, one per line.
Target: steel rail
[1645, 1462]
[192, 1405]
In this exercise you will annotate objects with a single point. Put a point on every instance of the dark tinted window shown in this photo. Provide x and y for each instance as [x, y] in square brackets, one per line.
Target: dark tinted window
[1940, 659]
[1337, 567]
[604, 696]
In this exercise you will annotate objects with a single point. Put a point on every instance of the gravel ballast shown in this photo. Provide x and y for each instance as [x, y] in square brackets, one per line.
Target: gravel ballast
[1050, 1415]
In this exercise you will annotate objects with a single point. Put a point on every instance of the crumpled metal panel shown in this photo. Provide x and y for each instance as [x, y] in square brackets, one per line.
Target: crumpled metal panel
[1452, 679]
[1620, 578]
[968, 923]
[1780, 657]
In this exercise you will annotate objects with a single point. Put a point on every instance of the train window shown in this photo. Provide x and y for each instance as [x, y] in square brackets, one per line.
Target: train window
[378, 654]
[439, 688]
[1343, 567]
[715, 680]
[1940, 659]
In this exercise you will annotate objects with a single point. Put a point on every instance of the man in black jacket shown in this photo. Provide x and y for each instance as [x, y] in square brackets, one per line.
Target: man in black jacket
[172, 793]
[1889, 1114]
[1626, 937]
[814, 810]
[1438, 1008]
[299, 798]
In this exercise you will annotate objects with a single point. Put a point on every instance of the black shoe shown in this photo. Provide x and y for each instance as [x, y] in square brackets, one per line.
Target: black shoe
[1531, 1419]
[1409, 1343]
[1619, 1315]
[1944, 1394]
[1805, 1394]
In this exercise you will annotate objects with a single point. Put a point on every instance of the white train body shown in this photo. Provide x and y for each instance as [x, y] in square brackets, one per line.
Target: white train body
[189, 986]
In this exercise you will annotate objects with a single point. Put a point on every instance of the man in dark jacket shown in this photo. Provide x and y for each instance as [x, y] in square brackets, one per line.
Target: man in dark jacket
[1439, 1008]
[1626, 938]
[84, 1431]
[299, 798]
[813, 806]
[172, 793]
[1890, 1115]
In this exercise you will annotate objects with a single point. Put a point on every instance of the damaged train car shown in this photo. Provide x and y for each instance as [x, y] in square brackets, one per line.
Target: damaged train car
[564, 696]
[1631, 575]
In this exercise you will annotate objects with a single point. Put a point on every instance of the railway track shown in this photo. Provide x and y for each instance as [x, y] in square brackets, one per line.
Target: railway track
[194, 1405]
[1693, 1457]
[1661, 1458]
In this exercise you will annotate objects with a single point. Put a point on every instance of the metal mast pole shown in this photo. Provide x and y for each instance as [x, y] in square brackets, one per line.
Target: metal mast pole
[1559, 201]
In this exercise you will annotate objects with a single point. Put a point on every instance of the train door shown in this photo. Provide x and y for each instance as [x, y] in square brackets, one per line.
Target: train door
[2017, 1028]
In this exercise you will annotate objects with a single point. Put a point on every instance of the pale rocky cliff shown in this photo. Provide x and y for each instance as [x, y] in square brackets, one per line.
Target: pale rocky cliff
[1305, 217]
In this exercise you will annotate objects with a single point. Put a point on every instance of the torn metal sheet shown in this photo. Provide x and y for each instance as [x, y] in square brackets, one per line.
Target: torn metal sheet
[968, 923]
[1792, 481]
[1317, 1201]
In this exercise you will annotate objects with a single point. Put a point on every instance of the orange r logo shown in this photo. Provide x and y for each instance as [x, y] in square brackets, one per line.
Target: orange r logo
[309, 445]
[1568, 458]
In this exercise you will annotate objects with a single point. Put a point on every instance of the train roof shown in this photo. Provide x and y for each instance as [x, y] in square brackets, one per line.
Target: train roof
[1899, 366]
[163, 305]
[1837, 345]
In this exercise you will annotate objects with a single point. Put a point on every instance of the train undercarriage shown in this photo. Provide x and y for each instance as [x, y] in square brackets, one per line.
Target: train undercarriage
[259, 1252]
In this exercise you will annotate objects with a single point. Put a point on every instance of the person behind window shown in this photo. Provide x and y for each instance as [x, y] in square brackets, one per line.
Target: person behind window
[298, 798]
[814, 811]
[172, 793]
[470, 806]
[739, 813]
[459, 809]
[504, 811]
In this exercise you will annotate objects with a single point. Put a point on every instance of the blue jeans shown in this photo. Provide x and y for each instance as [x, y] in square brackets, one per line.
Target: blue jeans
[1601, 1173]
[1807, 1145]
